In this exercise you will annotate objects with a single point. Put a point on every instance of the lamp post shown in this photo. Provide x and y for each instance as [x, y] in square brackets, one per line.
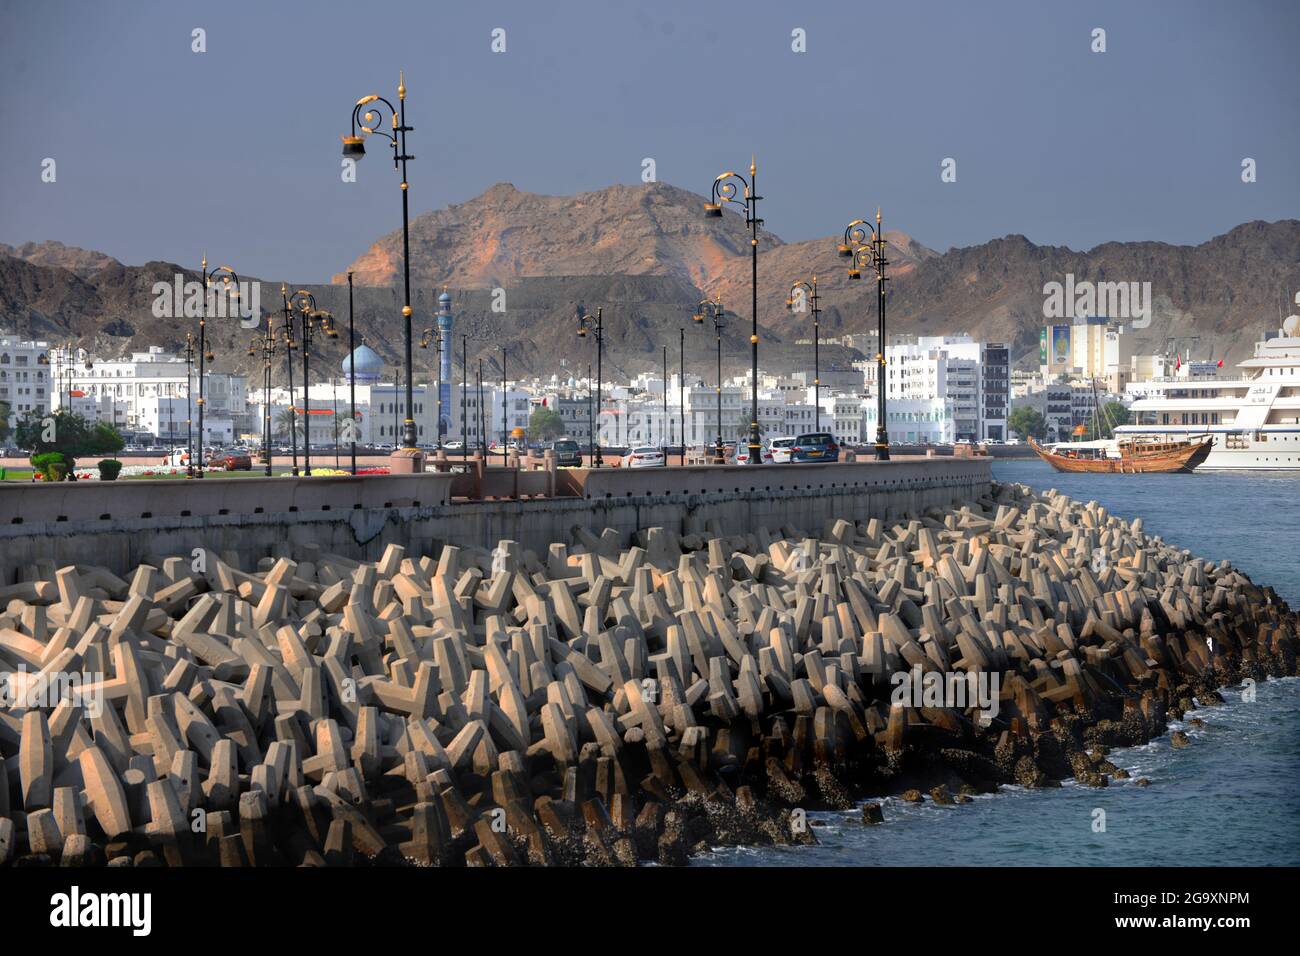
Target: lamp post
[464, 404]
[803, 297]
[189, 410]
[286, 331]
[480, 424]
[366, 117]
[712, 309]
[314, 321]
[265, 344]
[864, 244]
[663, 428]
[596, 327]
[505, 405]
[226, 275]
[724, 191]
[681, 391]
[352, 379]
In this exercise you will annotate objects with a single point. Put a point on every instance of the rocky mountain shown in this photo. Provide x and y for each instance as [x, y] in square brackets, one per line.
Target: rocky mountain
[83, 262]
[647, 255]
[652, 229]
[1216, 298]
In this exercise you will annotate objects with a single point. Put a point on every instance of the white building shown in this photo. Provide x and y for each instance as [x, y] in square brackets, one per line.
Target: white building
[950, 369]
[25, 377]
[144, 394]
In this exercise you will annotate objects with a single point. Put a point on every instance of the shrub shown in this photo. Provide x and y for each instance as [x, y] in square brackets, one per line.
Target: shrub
[44, 463]
[109, 469]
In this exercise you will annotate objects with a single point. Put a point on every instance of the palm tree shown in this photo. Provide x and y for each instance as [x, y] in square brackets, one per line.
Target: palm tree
[287, 419]
[742, 426]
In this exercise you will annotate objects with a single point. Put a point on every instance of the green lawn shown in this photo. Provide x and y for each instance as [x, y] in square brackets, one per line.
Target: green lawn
[25, 475]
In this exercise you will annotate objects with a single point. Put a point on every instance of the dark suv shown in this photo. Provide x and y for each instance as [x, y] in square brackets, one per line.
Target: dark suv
[567, 453]
[815, 446]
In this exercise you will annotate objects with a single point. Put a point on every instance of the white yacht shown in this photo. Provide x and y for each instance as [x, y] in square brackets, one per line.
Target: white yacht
[1254, 419]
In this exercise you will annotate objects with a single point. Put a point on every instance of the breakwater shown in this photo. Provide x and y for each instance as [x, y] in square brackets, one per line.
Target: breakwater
[600, 703]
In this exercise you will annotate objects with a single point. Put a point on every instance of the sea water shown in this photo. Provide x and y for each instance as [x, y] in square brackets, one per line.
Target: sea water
[1231, 798]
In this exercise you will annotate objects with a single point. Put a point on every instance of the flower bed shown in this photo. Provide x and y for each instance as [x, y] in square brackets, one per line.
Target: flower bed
[134, 471]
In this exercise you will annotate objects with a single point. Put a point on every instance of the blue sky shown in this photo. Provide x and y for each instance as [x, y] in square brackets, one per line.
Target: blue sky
[165, 153]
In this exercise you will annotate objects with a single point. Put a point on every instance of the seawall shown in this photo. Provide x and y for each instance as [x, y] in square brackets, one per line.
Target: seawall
[126, 523]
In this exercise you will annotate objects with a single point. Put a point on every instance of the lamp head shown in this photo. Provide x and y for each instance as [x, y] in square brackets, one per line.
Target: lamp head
[354, 147]
[846, 252]
[855, 274]
[713, 210]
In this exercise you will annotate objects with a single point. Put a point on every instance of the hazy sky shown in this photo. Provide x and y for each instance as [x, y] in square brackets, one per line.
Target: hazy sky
[163, 153]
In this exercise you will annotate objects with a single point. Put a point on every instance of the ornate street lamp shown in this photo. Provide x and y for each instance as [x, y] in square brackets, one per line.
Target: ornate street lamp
[712, 309]
[366, 120]
[190, 350]
[352, 378]
[803, 297]
[864, 246]
[725, 188]
[314, 321]
[286, 333]
[229, 287]
[596, 327]
[681, 390]
[265, 343]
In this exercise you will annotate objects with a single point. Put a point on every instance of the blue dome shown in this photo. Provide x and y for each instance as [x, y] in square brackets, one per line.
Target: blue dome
[445, 297]
[367, 362]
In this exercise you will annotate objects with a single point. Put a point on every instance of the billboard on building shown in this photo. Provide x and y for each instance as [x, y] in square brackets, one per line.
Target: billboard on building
[1042, 346]
[1060, 345]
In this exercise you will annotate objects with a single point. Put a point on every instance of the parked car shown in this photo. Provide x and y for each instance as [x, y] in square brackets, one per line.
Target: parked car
[644, 456]
[454, 445]
[235, 461]
[815, 447]
[780, 448]
[567, 454]
[742, 455]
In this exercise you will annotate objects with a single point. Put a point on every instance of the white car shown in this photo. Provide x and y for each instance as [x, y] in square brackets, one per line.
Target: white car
[742, 455]
[644, 456]
[780, 448]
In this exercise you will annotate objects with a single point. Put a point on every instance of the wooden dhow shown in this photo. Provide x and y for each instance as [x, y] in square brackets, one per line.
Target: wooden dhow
[1127, 457]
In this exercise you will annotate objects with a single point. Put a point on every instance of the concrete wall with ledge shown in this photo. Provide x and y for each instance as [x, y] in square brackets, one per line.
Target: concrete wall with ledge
[359, 517]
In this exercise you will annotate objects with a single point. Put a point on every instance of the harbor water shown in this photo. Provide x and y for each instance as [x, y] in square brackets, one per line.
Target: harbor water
[1232, 798]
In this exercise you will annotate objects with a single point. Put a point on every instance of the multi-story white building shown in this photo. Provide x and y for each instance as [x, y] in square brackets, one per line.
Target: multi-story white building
[25, 377]
[144, 393]
[951, 369]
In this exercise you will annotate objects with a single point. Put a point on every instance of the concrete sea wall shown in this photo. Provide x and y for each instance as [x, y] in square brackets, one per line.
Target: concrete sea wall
[124, 524]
